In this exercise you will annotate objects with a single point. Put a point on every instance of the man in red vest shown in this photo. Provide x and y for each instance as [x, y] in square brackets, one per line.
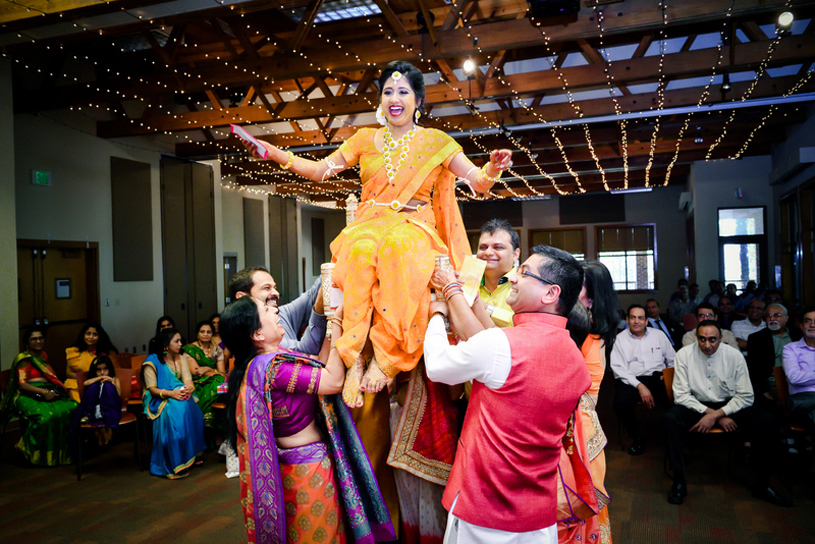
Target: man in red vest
[527, 380]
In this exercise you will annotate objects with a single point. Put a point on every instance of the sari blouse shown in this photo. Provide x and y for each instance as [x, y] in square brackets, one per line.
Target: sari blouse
[293, 394]
[424, 175]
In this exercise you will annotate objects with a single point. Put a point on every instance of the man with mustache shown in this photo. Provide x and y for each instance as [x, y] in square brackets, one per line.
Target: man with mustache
[304, 311]
[799, 366]
[712, 388]
[500, 246]
[765, 351]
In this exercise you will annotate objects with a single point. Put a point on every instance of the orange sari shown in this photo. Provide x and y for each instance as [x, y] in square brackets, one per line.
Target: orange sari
[385, 258]
[597, 528]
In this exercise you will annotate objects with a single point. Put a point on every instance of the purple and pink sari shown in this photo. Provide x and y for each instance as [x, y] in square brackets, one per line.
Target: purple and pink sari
[363, 511]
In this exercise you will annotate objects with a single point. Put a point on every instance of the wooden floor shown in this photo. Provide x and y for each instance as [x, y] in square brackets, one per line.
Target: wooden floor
[115, 503]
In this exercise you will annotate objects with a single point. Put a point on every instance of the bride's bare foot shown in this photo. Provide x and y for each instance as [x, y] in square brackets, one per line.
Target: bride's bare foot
[374, 380]
[351, 393]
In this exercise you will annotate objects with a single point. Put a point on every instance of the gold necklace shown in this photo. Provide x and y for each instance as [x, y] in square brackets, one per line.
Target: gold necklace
[390, 144]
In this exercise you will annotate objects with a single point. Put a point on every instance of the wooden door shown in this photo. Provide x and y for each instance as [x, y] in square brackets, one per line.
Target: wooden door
[59, 288]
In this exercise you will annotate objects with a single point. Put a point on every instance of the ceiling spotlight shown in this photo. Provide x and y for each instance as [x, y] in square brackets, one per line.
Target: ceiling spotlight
[726, 82]
[785, 20]
[698, 139]
[469, 67]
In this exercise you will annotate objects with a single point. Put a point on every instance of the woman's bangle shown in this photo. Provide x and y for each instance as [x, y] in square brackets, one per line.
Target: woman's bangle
[488, 177]
[161, 393]
[336, 321]
[288, 164]
[438, 313]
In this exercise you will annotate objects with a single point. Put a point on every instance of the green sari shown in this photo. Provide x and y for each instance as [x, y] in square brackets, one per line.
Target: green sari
[44, 424]
[206, 387]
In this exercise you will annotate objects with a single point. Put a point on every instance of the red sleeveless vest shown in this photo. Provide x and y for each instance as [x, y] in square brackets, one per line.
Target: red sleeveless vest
[507, 458]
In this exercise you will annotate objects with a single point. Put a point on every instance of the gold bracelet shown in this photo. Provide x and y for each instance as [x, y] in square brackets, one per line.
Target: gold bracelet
[336, 321]
[487, 176]
[161, 393]
[288, 164]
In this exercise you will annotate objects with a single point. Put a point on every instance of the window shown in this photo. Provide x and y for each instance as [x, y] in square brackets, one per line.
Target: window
[629, 253]
[572, 240]
[742, 245]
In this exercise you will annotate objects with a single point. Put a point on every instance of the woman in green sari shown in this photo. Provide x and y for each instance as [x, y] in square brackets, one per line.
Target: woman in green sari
[207, 368]
[36, 395]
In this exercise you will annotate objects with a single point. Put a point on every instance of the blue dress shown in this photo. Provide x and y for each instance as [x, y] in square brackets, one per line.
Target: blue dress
[178, 426]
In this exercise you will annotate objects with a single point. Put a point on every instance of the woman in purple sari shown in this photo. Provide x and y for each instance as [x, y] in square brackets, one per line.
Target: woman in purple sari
[304, 473]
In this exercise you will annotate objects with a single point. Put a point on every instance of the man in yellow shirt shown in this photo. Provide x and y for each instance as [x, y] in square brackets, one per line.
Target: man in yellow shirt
[500, 246]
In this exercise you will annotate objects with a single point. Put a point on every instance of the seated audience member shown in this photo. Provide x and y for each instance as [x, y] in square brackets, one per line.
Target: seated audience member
[706, 312]
[746, 296]
[178, 424]
[693, 294]
[765, 350]
[207, 368]
[716, 290]
[164, 322]
[726, 312]
[500, 246]
[304, 311]
[505, 463]
[743, 328]
[681, 306]
[637, 359]
[215, 323]
[799, 366]
[679, 284]
[712, 387]
[656, 322]
[101, 404]
[40, 400]
[286, 424]
[772, 296]
[92, 342]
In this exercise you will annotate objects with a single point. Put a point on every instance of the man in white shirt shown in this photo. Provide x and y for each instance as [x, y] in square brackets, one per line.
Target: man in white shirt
[712, 388]
[637, 359]
[745, 327]
[527, 380]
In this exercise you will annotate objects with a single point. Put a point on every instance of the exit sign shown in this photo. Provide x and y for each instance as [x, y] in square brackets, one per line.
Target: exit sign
[40, 177]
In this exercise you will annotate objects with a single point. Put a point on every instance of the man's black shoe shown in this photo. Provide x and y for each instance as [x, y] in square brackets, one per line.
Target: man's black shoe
[772, 496]
[677, 493]
[637, 448]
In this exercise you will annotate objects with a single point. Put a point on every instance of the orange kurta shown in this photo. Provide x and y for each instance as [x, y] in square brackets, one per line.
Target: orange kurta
[384, 259]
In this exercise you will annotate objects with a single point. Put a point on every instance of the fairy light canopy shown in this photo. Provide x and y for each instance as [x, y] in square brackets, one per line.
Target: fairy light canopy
[622, 94]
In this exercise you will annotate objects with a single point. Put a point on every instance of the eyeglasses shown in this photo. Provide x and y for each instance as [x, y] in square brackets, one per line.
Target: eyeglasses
[776, 316]
[37, 339]
[524, 272]
[705, 316]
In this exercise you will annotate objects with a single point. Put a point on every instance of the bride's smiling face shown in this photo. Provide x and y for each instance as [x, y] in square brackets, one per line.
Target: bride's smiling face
[398, 101]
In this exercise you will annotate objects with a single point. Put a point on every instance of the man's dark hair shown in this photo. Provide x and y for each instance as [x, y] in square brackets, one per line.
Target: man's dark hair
[709, 323]
[682, 281]
[653, 300]
[807, 310]
[501, 224]
[705, 306]
[561, 268]
[728, 297]
[640, 306]
[769, 292]
[693, 285]
[243, 281]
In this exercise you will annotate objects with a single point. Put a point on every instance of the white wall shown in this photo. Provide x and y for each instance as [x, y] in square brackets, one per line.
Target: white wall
[660, 206]
[9, 336]
[229, 225]
[714, 186]
[77, 207]
[334, 223]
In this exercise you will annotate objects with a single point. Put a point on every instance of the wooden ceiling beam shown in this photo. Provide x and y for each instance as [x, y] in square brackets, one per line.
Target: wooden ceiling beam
[305, 25]
[428, 19]
[581, 76]
[240, 33]
[393, 20]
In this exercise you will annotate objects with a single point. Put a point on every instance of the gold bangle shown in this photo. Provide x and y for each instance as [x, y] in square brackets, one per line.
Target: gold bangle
[336, 321]
[288, 164]
[161, 393]
[487, 176]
